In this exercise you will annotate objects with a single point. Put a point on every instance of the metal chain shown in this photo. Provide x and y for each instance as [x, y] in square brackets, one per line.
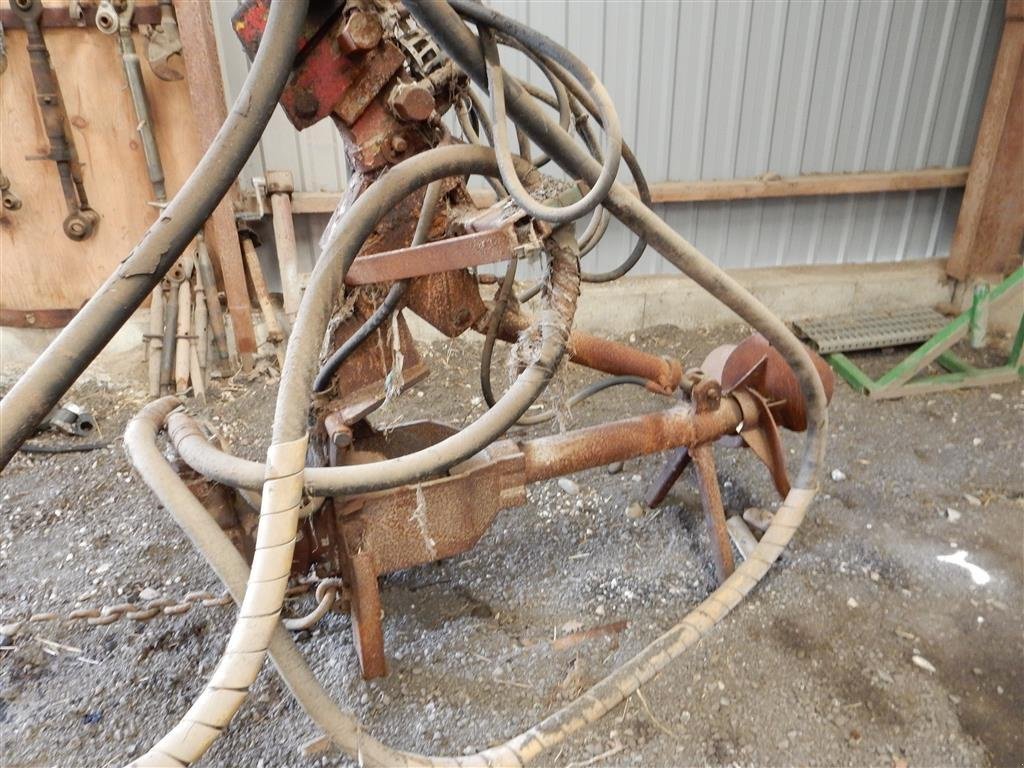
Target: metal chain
[165, 606]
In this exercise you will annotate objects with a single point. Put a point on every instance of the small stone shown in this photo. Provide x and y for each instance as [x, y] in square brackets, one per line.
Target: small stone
[995, 396]
[148, 594]
[923, 663]
[838, 475]
[569, 486]
[852, 603]
[102, 568]
[599, 610]
[953, 515]
[758, 518]
[976, 441]
[635, 510]
[973, 500]
[615, 467]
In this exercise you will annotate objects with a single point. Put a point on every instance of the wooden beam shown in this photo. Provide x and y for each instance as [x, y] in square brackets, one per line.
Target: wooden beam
[759, 188]
[811, 185]
[206, 90]
[989, 228]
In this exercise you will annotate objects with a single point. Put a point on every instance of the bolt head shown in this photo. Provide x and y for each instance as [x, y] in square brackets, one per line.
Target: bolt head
[412, 102]
[362, 31]
[399, 144]
[306, 105]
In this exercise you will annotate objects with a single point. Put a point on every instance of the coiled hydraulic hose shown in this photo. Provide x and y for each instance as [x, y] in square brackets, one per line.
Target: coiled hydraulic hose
[56, 369]
[258, 626]
[610, 121]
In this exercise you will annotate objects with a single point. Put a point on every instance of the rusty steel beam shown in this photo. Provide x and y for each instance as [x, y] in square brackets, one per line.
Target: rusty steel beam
[473, 250]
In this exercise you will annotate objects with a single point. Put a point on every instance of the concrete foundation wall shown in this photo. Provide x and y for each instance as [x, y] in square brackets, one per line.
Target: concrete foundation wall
[791, 292]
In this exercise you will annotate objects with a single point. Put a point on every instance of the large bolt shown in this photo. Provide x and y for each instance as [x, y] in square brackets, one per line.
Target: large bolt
[306, 104]
[399, 144]
[362, 31]
[411, 101]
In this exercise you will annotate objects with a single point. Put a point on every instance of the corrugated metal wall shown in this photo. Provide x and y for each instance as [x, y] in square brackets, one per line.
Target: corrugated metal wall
[718, 89]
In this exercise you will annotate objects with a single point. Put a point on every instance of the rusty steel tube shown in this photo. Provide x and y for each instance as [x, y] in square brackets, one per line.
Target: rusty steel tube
[622, 360]
[558, 455]
[605, 355]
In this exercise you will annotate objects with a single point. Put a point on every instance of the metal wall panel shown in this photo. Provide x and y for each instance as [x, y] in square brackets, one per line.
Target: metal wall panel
[717, 89]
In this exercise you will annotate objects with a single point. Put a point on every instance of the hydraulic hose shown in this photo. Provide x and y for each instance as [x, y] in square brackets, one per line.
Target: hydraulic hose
[391, 300]
[609, 168]
[40, 388]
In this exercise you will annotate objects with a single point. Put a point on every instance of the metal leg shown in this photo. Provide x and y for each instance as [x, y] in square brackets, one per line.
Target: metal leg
[366, 610]
[714, 511]
[677, 463]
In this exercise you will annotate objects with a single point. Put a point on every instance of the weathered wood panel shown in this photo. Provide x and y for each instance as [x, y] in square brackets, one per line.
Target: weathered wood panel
[40, 268]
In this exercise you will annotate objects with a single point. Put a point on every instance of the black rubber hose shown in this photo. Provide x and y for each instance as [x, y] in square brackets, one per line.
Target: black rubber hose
[501, 299]
[495, 78]
[560, 74]
[352, 343]
[40, 388]
[451, 33]
[391, 301]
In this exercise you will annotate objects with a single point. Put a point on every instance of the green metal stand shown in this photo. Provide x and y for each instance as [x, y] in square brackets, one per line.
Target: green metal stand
[901, 381]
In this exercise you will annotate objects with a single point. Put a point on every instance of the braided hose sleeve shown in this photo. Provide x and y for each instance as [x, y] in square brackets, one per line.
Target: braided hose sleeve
[260, 608]
[56, 369]
[340, 724]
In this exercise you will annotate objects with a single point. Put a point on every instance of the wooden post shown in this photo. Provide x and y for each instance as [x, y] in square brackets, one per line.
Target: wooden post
[206, 90]
[252, 261]
[280, 188]
[990, 226]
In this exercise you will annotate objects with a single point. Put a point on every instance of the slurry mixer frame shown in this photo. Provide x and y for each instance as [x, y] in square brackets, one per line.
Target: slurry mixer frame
[348, 502]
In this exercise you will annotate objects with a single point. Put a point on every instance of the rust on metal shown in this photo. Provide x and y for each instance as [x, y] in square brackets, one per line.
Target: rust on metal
[471, 250]
[562, 454]
[377, 67]
[755, 364]
[449, 301]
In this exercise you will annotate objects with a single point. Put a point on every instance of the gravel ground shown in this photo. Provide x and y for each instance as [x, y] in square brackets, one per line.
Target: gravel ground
[816, 667]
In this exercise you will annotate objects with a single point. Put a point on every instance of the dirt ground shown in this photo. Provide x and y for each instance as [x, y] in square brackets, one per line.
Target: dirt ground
[816, 667]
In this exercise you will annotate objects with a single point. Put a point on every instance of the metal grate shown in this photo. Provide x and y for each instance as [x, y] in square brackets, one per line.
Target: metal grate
[848, 333]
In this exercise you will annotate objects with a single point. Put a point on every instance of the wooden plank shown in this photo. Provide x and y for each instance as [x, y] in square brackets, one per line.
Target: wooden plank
[807, 186]
[41, 268]
[990, 225]
[729, 189]
[209, 108]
